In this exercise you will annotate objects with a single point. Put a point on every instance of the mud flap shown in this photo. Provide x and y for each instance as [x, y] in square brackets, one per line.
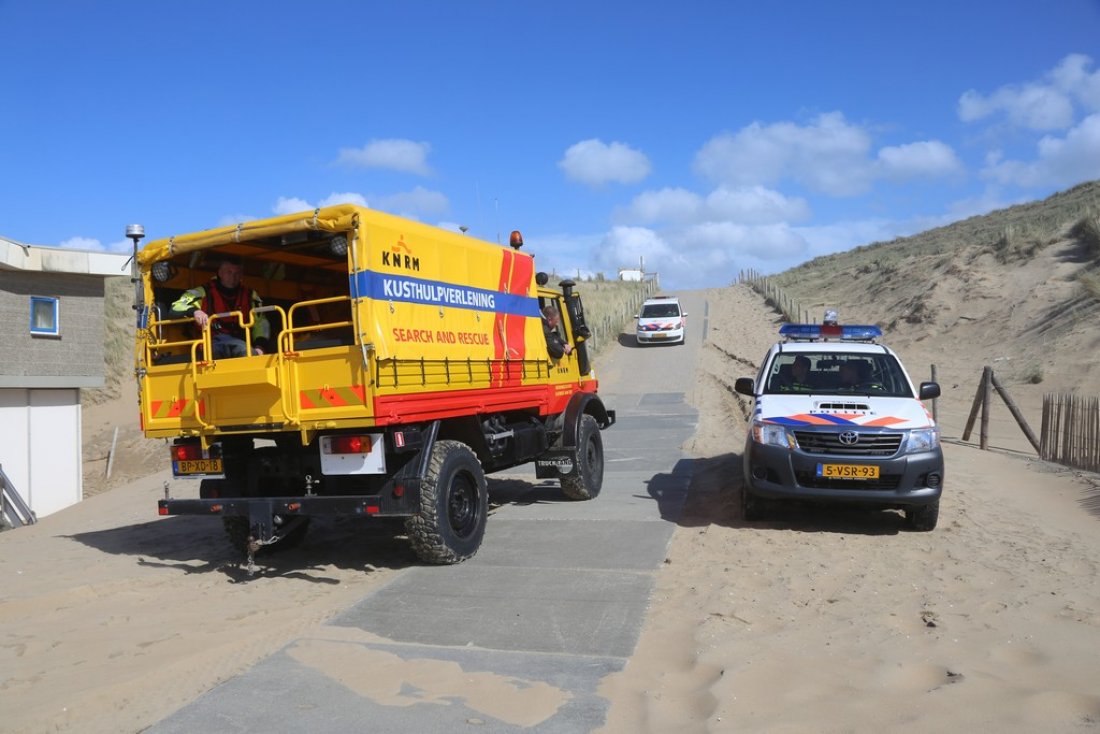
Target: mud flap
[556, 463]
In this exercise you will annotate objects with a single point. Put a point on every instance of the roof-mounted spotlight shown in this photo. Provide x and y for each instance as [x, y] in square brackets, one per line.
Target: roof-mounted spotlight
[163, 271]
[339, 245]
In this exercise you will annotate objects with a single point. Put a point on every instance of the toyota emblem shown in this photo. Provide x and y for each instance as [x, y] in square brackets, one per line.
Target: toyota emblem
[849, 438]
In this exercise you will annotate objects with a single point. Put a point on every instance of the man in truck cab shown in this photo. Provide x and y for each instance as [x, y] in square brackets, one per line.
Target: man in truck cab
[223, 294]
[555, 345]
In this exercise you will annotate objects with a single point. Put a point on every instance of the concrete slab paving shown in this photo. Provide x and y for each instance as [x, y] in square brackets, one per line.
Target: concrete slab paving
[569, 611]
[342, 689]
[553, 602]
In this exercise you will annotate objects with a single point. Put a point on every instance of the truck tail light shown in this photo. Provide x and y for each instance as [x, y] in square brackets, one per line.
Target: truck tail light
[349, 444]
[187, 452]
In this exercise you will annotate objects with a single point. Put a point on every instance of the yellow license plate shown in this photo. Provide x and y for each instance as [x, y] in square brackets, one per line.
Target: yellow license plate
[847, 471]
[197, 466]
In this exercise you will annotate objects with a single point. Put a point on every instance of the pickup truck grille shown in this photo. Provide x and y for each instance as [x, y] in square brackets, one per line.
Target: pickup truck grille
[829, 443]
[886, 481]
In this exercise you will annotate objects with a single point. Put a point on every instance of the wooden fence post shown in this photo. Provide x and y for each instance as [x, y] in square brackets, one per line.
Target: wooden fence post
[974, 407]
[987, 389]
[1015, 412]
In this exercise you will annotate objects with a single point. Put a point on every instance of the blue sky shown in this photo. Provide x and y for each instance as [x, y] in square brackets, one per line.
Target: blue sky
[704, 137]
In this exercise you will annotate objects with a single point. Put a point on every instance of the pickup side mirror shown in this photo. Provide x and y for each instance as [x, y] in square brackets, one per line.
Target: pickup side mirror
[929, 390]
[745, 386]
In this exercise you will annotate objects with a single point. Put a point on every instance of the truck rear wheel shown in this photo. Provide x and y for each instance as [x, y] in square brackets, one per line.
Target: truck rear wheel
[454, 505]
[585, 483]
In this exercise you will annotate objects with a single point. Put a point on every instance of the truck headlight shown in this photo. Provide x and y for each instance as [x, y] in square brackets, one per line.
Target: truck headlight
[771, 434]
[923, 439]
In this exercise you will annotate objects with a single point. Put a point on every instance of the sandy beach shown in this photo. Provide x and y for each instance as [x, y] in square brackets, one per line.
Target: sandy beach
[833, 621]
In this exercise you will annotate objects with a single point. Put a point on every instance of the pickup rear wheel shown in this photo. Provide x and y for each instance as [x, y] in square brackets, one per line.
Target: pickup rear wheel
[454, 504]
[585, 483]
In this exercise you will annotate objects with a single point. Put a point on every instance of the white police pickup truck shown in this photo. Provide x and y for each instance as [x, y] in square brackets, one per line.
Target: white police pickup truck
[836, 419]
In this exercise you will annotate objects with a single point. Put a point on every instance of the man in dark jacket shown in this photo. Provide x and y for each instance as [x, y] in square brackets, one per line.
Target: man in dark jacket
[555, 345]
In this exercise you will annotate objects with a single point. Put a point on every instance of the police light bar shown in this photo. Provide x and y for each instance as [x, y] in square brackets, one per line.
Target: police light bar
[846, 332]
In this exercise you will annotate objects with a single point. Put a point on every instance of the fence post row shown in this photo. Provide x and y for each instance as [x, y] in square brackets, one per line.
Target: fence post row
[1071, 431]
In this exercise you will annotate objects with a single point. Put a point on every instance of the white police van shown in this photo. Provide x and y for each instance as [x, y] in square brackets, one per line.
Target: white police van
[837, 419]
[661, 321]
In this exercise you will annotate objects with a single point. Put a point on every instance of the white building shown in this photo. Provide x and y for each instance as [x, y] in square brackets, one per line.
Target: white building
[52, 327]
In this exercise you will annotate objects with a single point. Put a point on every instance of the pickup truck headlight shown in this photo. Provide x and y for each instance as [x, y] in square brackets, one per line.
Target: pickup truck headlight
[771, 434]
[923, 439]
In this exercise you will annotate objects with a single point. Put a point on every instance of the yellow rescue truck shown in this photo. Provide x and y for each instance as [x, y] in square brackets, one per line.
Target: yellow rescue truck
[399, 363]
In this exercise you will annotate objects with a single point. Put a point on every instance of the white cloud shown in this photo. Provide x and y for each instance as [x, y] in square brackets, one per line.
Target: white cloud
[744, 205]
[344, 198]
[1031, 106]
[294, 205]
[1039, 105]
[717, 243]
[415, 204]
[702, 255]
[755, 205]
[1073, 76]
[1061, 161]
[406, 156]
[291, 205]
[229, 219]
[829, 155]
[665, 205]
[90, 243]
[624, 247]
[564, 254]
[595, 162]
[81, 243]
[928, 158]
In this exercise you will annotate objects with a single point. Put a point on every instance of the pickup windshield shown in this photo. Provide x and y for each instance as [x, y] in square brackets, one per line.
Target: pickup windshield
[831, 373]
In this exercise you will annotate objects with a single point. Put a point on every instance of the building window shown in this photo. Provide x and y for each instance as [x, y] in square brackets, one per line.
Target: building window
[44, 316]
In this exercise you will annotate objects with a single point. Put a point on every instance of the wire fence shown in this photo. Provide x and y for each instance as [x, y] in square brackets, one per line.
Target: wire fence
[774, 296]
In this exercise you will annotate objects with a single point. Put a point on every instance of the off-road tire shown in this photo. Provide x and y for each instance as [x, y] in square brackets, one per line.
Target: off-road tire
[454, 505]
[922, 517]
[585, 483]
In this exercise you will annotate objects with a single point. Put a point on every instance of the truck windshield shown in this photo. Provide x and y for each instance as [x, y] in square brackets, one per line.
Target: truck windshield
[832, 373]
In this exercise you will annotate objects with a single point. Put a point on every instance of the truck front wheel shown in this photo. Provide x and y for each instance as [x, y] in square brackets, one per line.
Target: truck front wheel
[454, 504]
[585, 483]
